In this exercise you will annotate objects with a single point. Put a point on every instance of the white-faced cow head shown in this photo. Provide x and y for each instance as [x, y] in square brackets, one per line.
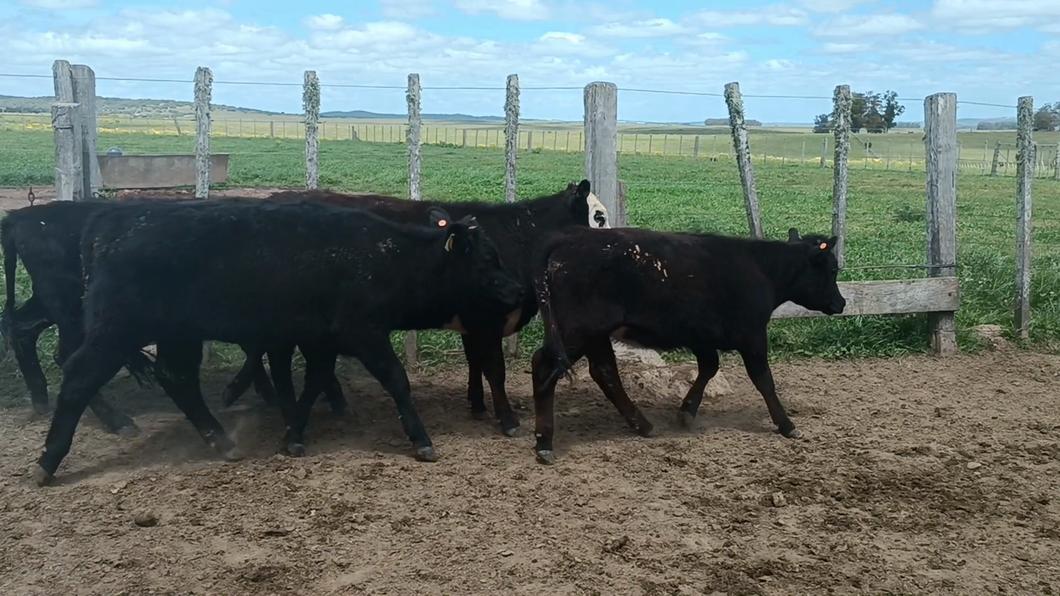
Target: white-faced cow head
[586, 207]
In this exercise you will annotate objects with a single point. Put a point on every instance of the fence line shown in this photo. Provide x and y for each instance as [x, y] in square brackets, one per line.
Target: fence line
[943, 155]
[896, 151]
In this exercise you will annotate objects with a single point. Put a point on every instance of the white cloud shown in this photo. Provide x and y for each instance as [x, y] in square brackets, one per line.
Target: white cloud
[639, 29]
[776, 15]
[407, 9]
[860, 26]
[832, 6]
[513, 10]
[324, 22]
[59, 4]
[705, 55]
[991, 16]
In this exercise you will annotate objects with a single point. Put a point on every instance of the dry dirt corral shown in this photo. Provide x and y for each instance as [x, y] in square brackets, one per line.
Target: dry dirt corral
[918, 476]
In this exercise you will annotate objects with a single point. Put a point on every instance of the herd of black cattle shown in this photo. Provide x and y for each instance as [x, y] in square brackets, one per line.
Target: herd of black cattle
[334, 274]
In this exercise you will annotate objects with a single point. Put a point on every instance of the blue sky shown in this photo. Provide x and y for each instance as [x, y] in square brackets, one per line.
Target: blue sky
[989, 51]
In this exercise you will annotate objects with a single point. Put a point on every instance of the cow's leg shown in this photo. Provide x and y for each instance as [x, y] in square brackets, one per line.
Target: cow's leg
[319, 377]
[491, 354]
[114, 421]
[475, 392]
[708, 367]
[246, 375]
[262, 385]
[333, 391]
[544, 375]
[84, 373]
[756, 361]
[23, 328]
[179, 376]
[604, 370]
[280, 365]
[377, 355]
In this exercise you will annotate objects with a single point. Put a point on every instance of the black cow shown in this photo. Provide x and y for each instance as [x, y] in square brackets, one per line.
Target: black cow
[48, 239]
[516, 228]
[668, 291]
[262, 273]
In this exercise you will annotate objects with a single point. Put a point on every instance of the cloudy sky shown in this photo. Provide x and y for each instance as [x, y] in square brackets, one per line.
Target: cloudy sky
[984, 50]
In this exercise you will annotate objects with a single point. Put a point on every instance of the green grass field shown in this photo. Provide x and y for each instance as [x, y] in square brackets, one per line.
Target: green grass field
[885, 225]
[901, 149]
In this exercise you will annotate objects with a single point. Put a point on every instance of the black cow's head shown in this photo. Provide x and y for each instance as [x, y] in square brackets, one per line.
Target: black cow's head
[475, 265]
[815, 286]
[585, 208]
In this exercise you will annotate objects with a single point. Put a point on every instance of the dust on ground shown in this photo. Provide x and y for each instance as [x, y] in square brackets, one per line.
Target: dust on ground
[918, 476]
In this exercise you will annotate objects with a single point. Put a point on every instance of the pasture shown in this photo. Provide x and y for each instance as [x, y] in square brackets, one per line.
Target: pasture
[919, 475]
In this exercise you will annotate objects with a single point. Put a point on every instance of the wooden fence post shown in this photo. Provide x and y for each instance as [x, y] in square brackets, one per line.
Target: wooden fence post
[85, 94]
[742, 145]
[940, 144]
[842, 101]
[1025, 161]
[311, 108]
[1056, 162]
[824, 152]
[69, 140]
[997, 158]
[69, 173]
[601, 145]
[203, 93]
[412, 97]
[511, 150]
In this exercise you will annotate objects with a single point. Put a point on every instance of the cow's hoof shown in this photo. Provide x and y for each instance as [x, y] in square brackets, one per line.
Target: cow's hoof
[233, 454]
[128, 431]
[483, 415]
[41, 477]
[514, 431]
[647, 430]
[295, 449]
[686, 419]
[42, 408]
[794, 433]
[545, 457]
[427, 454]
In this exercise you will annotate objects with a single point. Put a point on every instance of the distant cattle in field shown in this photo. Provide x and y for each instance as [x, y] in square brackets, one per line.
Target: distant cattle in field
[262, 273]
[47, 238]
[516, 228]
[668, 291]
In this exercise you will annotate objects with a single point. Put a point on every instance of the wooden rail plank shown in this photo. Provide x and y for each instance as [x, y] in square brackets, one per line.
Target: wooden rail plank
[889, 297]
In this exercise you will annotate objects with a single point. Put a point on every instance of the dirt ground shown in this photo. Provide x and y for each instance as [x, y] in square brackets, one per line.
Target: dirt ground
[918, 476]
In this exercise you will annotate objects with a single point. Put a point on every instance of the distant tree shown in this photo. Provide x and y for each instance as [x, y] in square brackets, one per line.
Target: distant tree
[999, 125]
[875, 112]
[822, 123]
[725, 122]
[1047, 117]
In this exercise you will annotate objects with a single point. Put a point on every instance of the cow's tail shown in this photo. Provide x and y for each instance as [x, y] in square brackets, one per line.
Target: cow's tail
[7, 242]
[554, 350]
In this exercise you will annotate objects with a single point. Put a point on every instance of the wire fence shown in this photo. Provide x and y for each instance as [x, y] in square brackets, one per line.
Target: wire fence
[980, 152]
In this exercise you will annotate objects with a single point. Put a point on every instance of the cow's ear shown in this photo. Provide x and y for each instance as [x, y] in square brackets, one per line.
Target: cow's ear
[439, 217]
[793, 235]
[460, 233]
[583, 189]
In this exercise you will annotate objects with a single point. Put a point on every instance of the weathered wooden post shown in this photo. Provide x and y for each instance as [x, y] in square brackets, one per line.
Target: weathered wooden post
[601, 145]
[511, 150]
[67, 133]
[85, 94]
[842, 101]
[203, 94]
[940, 147]
[1025, 161]
[412, 97]
[997, 158]
[69, 173]
[742, 145]
[311, 108]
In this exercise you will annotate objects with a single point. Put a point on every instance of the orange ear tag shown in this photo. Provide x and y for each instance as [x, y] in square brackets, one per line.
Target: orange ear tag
[824, 246]
[441, 223]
